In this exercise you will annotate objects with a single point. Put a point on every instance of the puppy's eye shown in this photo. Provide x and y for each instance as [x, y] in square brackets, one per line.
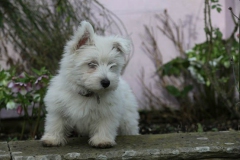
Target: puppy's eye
[112, 65]
[92, 65]
[117, 49]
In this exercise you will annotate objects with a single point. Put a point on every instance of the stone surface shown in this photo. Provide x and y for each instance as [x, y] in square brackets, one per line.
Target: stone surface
[212, 146]
[4, 151]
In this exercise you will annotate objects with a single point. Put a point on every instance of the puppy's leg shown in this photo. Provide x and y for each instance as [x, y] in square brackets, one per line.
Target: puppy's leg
[129, 124]
[103, 133]
[54, 134]
[129, 121]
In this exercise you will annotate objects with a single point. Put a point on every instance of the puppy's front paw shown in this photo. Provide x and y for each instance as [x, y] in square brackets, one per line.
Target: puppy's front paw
[101, 143]
[51, 141]
[47, 143]
[104, 145]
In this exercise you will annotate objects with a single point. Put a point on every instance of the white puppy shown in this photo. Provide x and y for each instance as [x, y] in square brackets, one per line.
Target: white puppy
[88, 93]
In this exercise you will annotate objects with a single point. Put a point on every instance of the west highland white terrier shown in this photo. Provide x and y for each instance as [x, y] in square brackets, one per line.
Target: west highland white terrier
[88, 93]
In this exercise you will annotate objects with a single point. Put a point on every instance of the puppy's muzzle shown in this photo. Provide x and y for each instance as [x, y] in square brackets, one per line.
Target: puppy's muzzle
[105, 83]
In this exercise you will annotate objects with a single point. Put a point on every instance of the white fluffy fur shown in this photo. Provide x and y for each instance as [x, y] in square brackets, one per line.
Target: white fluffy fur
[116, 111]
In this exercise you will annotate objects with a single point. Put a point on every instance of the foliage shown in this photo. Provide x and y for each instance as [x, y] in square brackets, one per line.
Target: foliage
[25, 93]
[38, 30]
[199, 79]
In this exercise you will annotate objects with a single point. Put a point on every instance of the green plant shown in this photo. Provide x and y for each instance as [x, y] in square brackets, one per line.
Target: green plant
[199, 80]
[25, 93]
[12, 139]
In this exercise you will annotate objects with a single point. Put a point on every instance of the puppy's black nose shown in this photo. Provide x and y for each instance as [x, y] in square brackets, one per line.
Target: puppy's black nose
[105, 83]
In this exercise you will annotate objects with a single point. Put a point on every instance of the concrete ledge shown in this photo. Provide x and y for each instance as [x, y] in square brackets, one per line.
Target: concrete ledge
[4, 151]
[214, 145]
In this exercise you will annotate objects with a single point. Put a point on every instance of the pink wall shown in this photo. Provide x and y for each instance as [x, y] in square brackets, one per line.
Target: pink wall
[137, 13]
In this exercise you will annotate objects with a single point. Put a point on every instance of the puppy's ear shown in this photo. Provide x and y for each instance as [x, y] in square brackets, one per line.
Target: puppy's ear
[82, 36]
[122, 45]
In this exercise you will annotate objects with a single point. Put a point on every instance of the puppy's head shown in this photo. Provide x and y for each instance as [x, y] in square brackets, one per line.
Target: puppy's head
[92, 61]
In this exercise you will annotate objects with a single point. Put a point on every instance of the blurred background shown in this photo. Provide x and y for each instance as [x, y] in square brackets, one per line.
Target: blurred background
[183, 69]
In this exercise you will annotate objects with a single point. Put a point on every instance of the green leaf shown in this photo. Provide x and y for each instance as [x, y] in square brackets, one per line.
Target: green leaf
[59, 8]
[200, 128]
[173, 91]
[224, 79]
[68, 19]
[219, 10]
[206, 29]
[214, 129]
[175, 66]
[36, 71]
[186, 90]
[208, 83]
[226, 64]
